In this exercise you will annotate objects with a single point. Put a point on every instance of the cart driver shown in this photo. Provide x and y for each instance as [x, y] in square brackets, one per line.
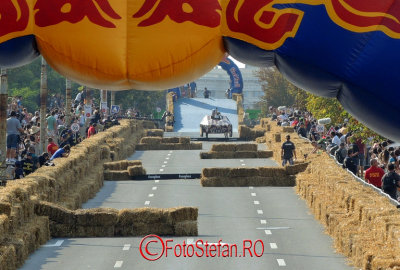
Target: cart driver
[215, 114]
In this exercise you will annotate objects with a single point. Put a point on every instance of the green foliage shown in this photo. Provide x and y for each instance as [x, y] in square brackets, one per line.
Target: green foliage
[144, 101]
[280, 92]
[25, 82]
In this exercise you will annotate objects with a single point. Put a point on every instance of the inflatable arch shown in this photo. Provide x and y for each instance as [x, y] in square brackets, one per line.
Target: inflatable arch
[346, 49]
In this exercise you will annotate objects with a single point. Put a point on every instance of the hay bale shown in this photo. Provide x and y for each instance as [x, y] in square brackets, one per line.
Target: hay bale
[277, 172]
[154, 133]
[195, 146]
[287, 129]
[265, 154]
[246, 147]
[141, 215]
[288, 181]
[150, 140]
[215, 172]
[170, 140]
[96, 217]
[110, 175]
[224, 147]
[242, 172]
[186, 228]
[277, 137]
[136, 170]
[8, 258]
[261, 140]
[121, 164]
[245, 154]
[55, 212]
[180, 214]
[184, 140]
[94, 231]
[297, 168]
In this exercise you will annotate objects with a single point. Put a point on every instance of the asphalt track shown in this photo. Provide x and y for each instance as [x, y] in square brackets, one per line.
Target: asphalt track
[292, 238]
[275, 216]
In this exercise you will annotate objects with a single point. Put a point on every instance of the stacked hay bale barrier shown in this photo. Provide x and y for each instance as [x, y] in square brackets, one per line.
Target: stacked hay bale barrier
[172, 143]
[154, 132]
[251, 134]
[241, 177]
[365, 225]
[109, 222]
[71, 182]
[170, 109]
[239, 104]
[123, 170]
[245, 150]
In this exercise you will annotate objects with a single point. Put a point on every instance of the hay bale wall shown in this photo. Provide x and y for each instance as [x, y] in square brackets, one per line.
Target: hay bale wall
[241, 177]
[154, 133]
[230, 151]
[71, 182]
[251, 134]
[364, 225]
[172, 143]
[108, 222]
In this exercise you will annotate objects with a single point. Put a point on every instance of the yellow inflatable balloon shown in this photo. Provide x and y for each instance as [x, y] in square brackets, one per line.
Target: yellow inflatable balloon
[142, 44]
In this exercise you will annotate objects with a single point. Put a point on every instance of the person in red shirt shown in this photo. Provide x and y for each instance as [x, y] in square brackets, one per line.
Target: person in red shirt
[51, 147]
[374, 174]
[91, 130]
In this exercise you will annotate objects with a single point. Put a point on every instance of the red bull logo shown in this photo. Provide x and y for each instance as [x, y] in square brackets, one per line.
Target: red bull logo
[181, 11]
[366, 15]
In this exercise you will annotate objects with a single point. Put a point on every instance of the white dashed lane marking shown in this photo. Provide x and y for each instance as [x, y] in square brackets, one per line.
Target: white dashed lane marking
[256, 202]
[241, 160]
[151, 195]
[163, 166]
[168, 154]
[273, 245]
[161, 170]
[156, 181]
[243, 164]
[146, 202]
[263, 221]
[281, 262]
[253, 194]
[118, 264]
[154, 188]
[167, 158]
[267, 232]
[165, 162]
[260, 212]
[126, 247]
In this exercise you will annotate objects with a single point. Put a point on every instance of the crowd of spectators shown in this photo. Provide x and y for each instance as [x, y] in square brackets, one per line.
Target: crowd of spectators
[377, 162]
[24, 155]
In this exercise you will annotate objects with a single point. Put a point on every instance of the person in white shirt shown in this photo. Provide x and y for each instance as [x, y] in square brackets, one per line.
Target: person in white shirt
[335, 138]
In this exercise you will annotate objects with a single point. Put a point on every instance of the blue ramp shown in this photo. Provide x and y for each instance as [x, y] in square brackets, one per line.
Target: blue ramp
[190, 111]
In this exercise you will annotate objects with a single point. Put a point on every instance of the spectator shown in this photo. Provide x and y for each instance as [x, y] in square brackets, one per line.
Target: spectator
[43, 159]
[27, 164]
[91, 130]
[390, 182]
[335, 138]
[341, 153]
[14, 129]
[374, 174]
[350, 162]
[51, 125]
[18, 172]
[287, 152]
[302, 131]
[51, 147]
[62, 152]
